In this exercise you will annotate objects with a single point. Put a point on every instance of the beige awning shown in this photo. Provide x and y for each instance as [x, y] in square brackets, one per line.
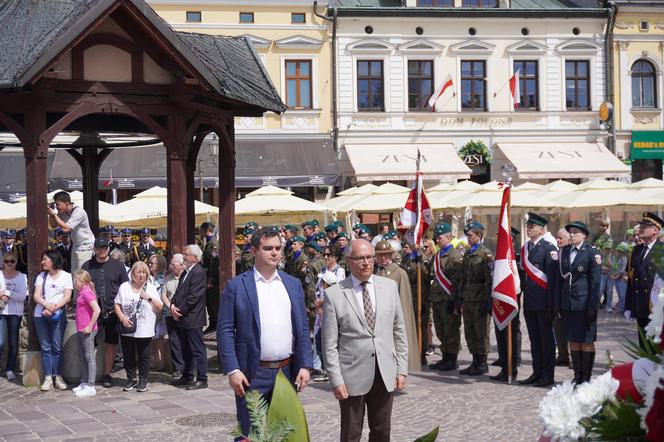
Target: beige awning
[392, 162]
[563, 160]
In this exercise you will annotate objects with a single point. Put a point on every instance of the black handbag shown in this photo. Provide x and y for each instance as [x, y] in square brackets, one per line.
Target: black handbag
[121, 329]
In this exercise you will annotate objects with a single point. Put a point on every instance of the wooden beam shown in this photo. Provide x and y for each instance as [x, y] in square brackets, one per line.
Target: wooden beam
[176, 178]
[226, 229]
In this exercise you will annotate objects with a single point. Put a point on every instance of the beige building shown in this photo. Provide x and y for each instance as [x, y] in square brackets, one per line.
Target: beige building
[638, 67]
[294, 149]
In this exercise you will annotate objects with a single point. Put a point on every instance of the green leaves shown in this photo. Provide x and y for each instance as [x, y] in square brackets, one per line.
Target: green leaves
[430, 437]
[635, 351]
[615, 421]
[286, 406]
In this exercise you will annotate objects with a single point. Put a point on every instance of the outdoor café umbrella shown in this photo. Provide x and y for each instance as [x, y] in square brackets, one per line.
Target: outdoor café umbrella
[603, 193]
[385, 198]
[489, 195]
[273, 205]
[440, 199]
[347, 196]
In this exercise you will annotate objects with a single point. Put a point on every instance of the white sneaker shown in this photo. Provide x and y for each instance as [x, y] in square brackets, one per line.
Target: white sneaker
[60, 383]
[80, 387]
[86, 391]
[10, 375]
[47, 385]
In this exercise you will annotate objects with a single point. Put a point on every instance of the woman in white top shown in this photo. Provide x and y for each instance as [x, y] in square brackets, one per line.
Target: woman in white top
[52, 294]
[13, 291]
[137, 300]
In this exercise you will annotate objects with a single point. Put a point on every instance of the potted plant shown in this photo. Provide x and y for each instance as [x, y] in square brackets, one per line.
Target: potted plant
[476, 155]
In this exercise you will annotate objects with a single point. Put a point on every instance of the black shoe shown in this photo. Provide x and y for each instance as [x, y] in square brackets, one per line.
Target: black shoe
[198, 385]
[182, 382]
[131, 383]
[450, 363]
[107, 381]
[177, 374]
[437, 365]
[502, 376]
[481, 367]
[470, 368]
[497, 363]
[529, 380]
[543, 382]
[560, 362]
[142, 385]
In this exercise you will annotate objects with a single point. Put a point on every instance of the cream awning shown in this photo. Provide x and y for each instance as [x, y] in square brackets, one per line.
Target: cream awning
[394, 162]
[563, 160]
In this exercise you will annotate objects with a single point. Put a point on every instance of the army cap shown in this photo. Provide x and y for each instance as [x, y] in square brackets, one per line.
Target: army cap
[251, 224]
[331, 228]
[299, 239]
[390, 234]
[441, 229]
[58, 231]
[10, 233]
[473, 225]
[651, 219]
[291, 228]
[579, 225]
[126, 231]
[145, 231]
[536, 219]
[384, 246]
[342, 235]
[115, 232]
[308, 224]
[314, 246]
[339, 223]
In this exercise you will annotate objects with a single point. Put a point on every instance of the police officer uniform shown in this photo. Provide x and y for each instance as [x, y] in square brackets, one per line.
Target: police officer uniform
[475, 292]
[22, 253]
[577, 292]
[65, 251]
[642, 275]
[539, 265]
[144, 250]
[126, 245]
[445, 270]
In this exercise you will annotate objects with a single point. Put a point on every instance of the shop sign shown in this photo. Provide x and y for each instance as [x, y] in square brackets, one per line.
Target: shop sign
[647, 145]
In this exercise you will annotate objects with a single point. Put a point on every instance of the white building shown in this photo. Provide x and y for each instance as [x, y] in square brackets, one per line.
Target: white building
[391, 59]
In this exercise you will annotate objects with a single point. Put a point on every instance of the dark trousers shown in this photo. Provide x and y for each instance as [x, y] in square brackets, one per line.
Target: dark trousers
[263, 382]
[542, 342]
[378, 403]
[136, 351]
[193, 353]
[642, 323]
[561, 340]
[10, 324]
[212, 298]
[176, 345]
[501, 341]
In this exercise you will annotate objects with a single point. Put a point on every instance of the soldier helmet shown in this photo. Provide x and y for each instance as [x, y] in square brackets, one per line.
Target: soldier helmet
[384, 246]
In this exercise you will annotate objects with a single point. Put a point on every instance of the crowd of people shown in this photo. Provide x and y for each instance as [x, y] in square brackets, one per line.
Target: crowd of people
[292, 281]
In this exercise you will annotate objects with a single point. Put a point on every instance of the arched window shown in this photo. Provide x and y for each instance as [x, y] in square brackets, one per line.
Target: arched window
[644, 88]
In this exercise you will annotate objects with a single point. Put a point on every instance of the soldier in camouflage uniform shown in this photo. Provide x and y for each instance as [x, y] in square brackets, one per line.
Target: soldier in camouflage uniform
[475, 292]
[297, 263]
[315, 265]
[409, 260]
[446, 270]
[246, 260]
[210, 251]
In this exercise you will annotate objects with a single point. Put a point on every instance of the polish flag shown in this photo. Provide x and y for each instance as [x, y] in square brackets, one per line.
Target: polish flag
[515, 90]
[506, 281]
[440, 90]
[416, 216]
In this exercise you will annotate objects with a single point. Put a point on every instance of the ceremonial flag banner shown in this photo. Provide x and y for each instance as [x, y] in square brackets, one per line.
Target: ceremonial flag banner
[440, 90]
[416, 216]
[515, 90]
[505, 273]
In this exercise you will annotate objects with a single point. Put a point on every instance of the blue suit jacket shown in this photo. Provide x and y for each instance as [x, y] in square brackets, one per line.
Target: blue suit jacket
[238, 326]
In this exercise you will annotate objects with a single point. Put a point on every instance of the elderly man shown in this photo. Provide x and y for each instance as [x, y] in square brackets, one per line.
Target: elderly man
[74, 220]
[365, 345]
[188, 310]
[167, 291]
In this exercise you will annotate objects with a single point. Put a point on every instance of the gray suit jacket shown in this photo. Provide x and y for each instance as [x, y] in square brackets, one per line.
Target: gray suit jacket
[350, 349]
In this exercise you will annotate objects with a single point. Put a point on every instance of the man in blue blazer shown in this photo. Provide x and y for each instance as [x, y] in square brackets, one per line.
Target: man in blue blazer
[263, 326]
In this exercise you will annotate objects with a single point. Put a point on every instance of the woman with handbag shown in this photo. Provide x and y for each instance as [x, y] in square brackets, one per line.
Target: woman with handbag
[136, 306]
[53, 289]
[13, 291]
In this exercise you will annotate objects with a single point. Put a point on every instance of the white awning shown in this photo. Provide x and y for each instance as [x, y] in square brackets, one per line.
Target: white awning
[563, 160]
[392, 162]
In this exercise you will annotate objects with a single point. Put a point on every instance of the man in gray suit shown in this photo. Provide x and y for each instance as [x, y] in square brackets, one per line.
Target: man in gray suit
[364, 345]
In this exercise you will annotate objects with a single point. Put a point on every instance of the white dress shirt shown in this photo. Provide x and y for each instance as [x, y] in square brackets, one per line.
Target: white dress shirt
[358, 289]
[649, 247]
[274, 307]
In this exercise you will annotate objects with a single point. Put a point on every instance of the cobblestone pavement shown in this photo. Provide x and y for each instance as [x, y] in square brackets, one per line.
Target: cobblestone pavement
[465, 408]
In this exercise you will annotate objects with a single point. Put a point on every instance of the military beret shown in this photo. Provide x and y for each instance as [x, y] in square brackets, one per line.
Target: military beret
[364, 229]
[320, 235]
[248, 231]
[299, 239]
[358, 226]
[514, 232]
[441, 228]
[10, 233]
[578, 225]
[651, 219]
[338, 223]
[342, 235]
[291, 228]
[308, 224]
[473, 225]
[331, 228]
[251, 224]
[384, 246]
[314, 246]
[536, 219]
[390, 235]
[126, 231]
[314, 222]
[145, 231]
[207, 225]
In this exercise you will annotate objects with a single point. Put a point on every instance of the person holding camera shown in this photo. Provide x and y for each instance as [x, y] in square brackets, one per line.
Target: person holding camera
[73, 219]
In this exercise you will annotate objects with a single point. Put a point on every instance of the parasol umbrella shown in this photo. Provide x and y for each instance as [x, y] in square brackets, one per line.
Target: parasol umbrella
[273, 205]
[439, 200]
[347, 196]
[385, 198]
[603, 193]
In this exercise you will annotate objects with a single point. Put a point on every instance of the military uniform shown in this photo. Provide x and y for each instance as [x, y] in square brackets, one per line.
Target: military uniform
[476, 283]
[446, 315]
[212, 294]
[315, 266]
[409, 264]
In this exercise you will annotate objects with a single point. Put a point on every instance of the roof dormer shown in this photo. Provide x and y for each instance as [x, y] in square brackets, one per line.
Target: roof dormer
[472, 47]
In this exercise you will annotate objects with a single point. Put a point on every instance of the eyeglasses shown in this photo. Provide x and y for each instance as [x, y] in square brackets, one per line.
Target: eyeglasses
[363, 258]
[10, 261]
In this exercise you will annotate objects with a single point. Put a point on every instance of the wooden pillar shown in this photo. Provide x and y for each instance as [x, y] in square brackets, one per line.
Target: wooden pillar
[191, 187]
[226, 227]
[177, 149]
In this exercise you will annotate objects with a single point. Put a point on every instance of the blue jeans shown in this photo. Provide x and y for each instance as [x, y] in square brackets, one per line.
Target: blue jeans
[9, 326]
[50, 336]
[602, 285]
[621, 287]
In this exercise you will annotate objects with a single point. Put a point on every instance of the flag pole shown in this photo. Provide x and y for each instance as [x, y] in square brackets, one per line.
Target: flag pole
[419, 253]
[419, 304]
[508, 182]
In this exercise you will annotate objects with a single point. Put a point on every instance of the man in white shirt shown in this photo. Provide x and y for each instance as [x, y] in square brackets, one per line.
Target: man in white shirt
[263, 326]
[74, 220]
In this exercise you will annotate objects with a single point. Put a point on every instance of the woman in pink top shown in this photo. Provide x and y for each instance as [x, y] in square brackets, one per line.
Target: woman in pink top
[87, 312]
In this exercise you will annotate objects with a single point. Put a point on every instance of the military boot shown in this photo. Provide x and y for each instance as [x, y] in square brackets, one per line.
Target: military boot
[587, 361]
[450, 363]
[481, 367]
[576, 365]
[439, 365]
[471, 367]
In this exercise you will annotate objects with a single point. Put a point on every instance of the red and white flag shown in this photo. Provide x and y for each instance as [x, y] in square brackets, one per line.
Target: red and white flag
[416, 216]
[505, 273]
[515, 90]
[440, 90]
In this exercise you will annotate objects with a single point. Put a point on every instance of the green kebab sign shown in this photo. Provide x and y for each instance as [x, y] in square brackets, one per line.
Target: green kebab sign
[647, 145]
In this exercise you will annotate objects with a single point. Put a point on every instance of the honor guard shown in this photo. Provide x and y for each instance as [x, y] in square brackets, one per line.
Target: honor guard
[144, 250]
[126, 245]
[290, 231]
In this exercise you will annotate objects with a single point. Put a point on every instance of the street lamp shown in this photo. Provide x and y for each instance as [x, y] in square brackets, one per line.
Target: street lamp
[213, 144]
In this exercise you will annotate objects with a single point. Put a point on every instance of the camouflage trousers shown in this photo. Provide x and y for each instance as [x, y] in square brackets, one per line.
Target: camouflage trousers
[448, 328]
[476, 324]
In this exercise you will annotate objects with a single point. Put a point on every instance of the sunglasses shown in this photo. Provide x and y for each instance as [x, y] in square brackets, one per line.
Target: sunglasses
[327, 254]
[10, 261]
